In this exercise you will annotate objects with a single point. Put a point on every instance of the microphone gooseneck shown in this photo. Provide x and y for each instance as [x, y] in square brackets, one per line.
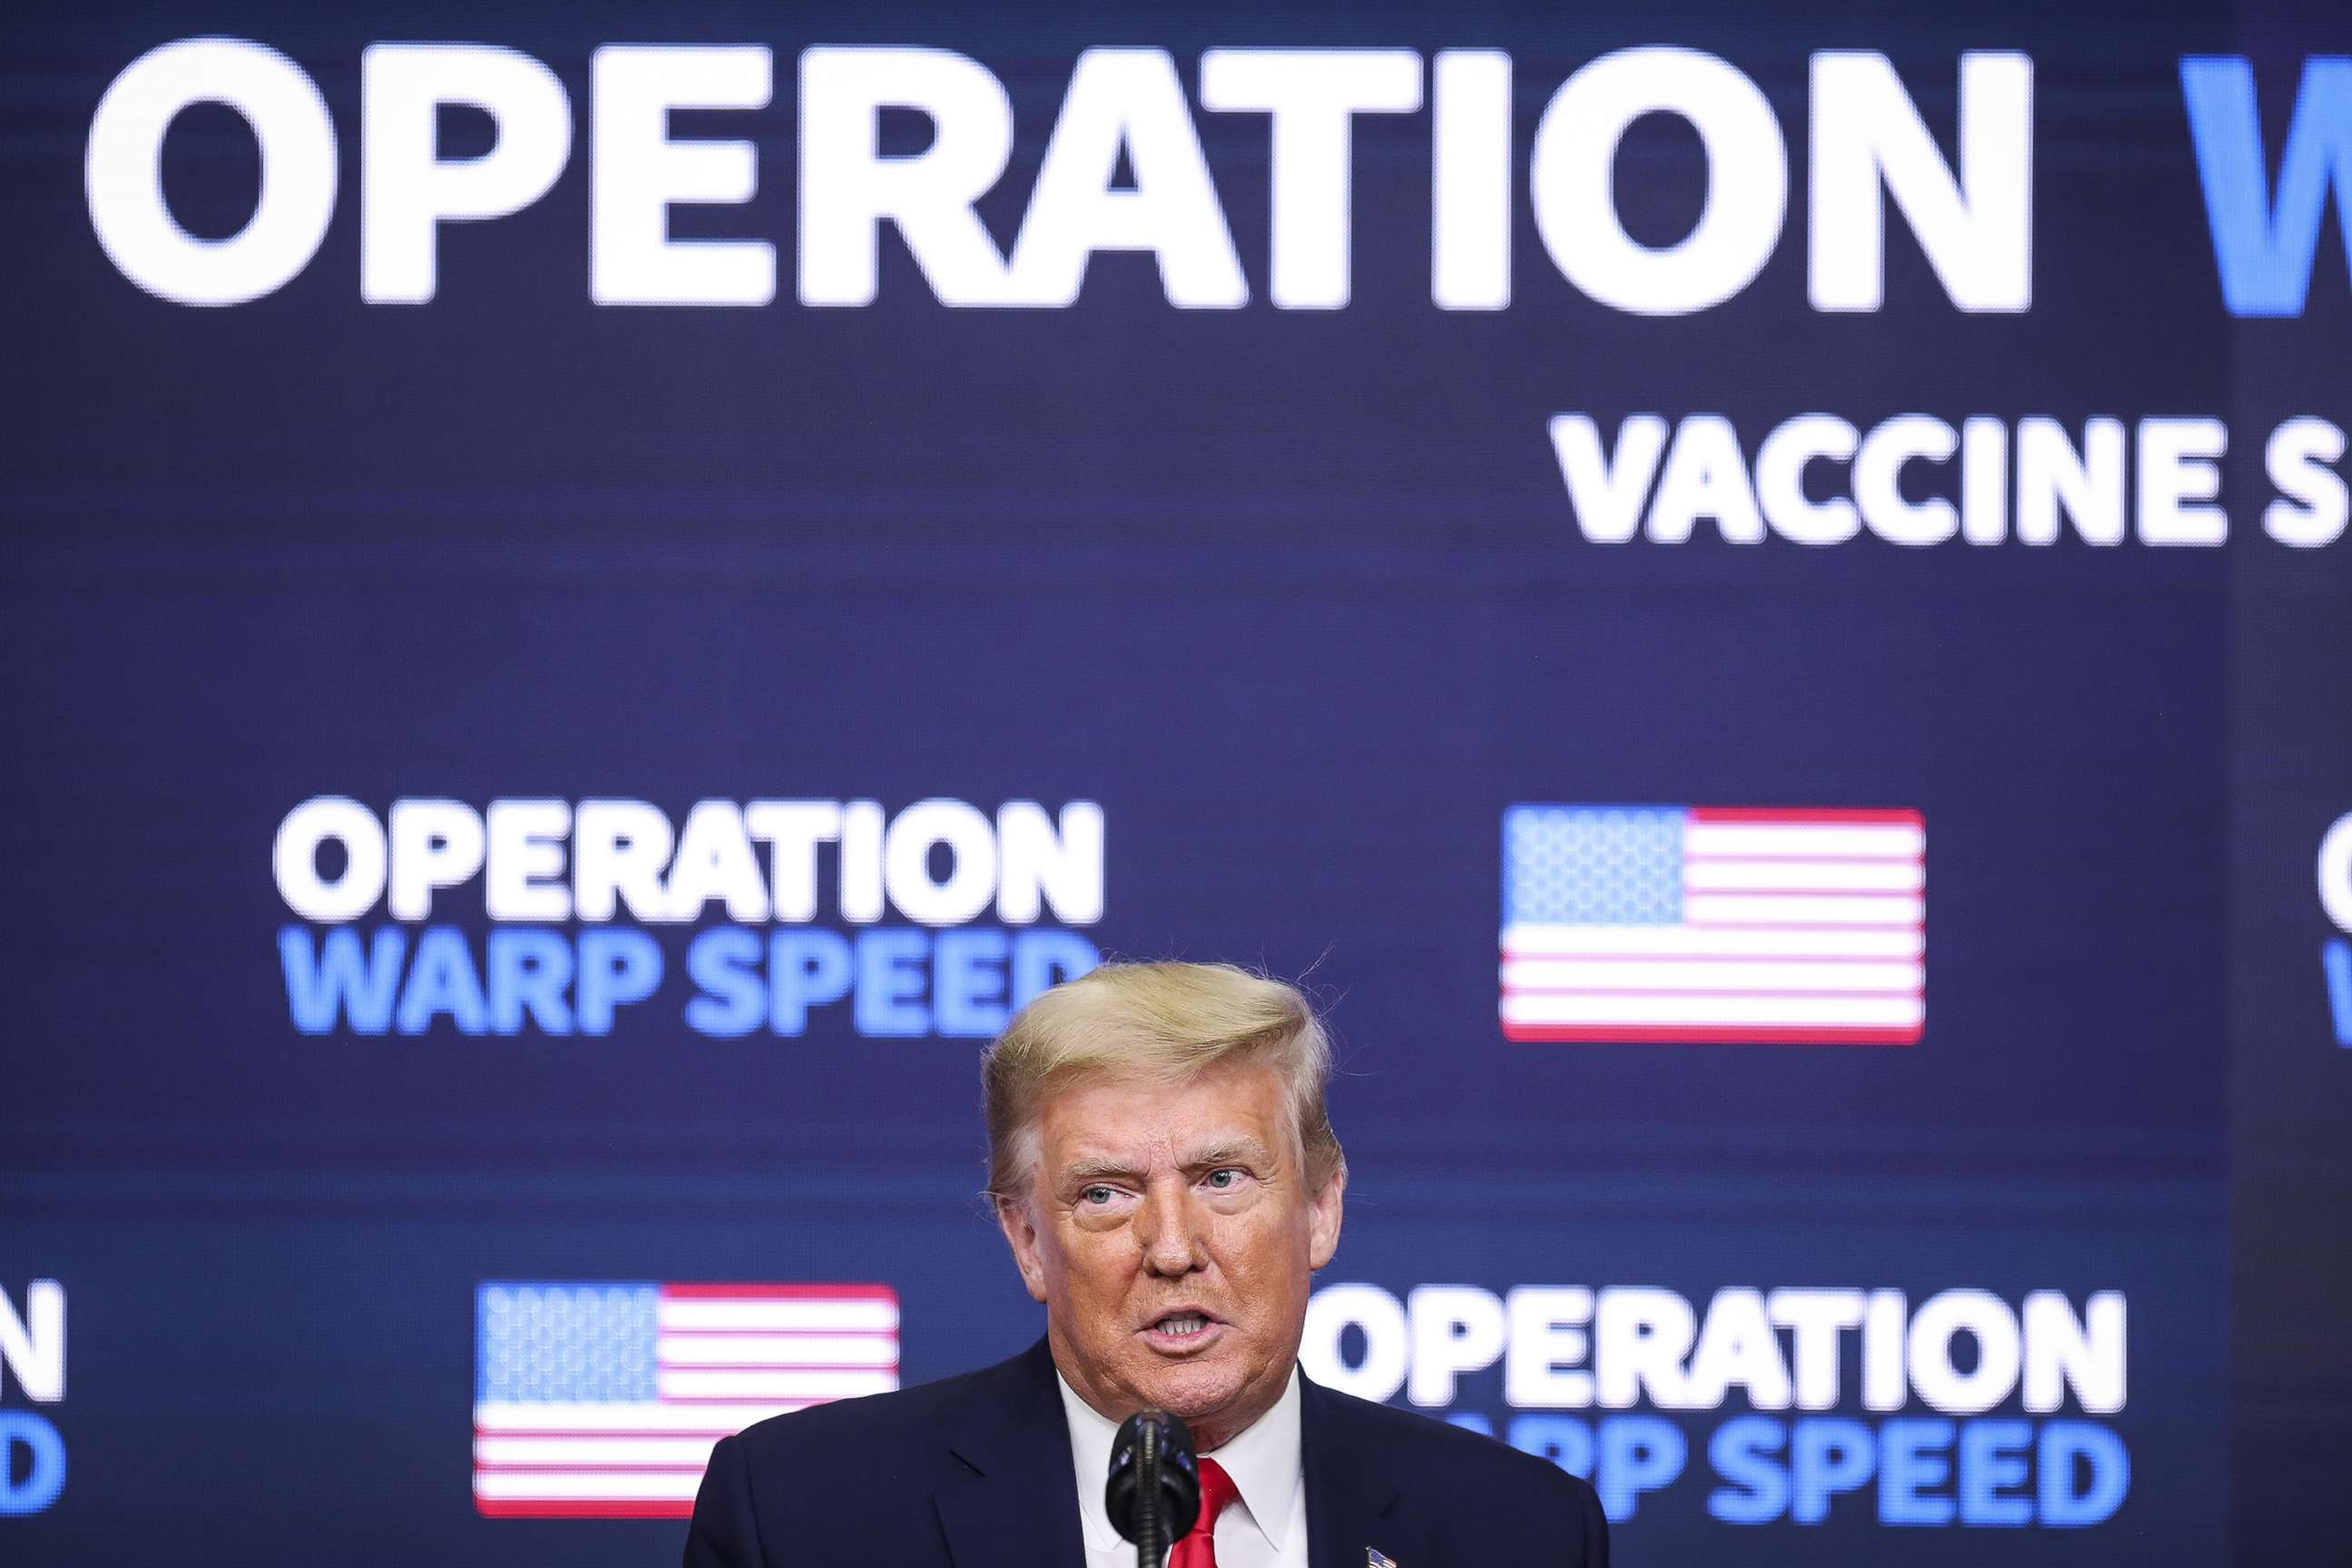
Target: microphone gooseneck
[1153, 1493]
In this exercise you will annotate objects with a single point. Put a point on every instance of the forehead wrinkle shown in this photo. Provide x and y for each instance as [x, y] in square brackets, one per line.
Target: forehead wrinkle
[1099, 1141]
[1087, 1166]
[1233, 1151]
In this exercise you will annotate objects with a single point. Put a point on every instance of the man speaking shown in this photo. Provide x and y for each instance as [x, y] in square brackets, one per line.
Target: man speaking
[1163, 1165]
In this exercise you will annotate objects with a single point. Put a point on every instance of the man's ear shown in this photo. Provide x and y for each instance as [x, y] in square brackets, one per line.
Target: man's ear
[1323, 1220]
[1020, 1226]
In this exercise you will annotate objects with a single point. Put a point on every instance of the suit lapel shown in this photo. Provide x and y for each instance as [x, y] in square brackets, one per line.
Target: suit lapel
[1009, 1497]
[1349, 1487]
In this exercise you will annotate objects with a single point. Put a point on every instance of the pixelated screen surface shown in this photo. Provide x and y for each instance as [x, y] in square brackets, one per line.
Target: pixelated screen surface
[1754, 600]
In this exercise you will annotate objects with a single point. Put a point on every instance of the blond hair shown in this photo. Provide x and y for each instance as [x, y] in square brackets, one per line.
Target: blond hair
[1157, 1022]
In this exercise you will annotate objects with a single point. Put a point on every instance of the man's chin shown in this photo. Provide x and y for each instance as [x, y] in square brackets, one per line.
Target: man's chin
[1195, 1389]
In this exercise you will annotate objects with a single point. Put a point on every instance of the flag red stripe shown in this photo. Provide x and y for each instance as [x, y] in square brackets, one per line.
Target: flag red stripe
[584, 1507]
[1726, 955]
[1831, 925]
[794, 1333]
[1746, 1034]
[780, 1292]
[829, 1366]
[1751, 858]
[700, 1400]
[633, 1433]
[580, 1467]
[1805, 814]
[1749, 992]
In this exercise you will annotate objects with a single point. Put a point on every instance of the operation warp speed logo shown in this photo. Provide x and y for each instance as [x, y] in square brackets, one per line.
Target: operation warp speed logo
[32, 1370]
[1799, 1406]
[2335, 898]
[551, 917]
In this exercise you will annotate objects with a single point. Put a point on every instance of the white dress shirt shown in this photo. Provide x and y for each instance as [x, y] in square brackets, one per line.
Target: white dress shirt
[1264, 1527]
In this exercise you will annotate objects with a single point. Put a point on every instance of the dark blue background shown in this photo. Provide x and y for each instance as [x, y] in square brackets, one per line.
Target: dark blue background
[1297, 596]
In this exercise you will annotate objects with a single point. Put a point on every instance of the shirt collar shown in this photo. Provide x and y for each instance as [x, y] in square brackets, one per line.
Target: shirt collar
[1263, 1461]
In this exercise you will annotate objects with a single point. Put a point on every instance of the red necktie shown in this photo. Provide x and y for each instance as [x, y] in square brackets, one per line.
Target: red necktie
[1199, 1547]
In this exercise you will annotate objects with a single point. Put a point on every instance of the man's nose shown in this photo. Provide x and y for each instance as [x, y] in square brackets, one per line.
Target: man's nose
[1167, 1230]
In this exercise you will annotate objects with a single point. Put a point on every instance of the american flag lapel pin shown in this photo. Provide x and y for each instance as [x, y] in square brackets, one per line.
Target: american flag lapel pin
[1376, 1558]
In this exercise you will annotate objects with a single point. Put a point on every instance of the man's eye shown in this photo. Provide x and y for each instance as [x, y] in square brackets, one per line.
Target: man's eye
[1096, 1195]
[1225, 1179]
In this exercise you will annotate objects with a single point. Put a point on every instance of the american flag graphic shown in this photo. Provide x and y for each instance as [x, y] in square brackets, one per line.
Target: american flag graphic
[1713, 923]
[603, 1400]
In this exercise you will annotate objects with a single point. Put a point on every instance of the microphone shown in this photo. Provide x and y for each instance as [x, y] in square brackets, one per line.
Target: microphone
[1154, 1493]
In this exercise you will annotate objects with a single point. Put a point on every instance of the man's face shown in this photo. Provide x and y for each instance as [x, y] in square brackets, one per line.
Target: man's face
[1171, 1234]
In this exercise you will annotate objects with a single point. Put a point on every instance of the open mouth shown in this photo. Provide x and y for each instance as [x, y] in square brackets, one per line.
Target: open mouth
[1184, 1331]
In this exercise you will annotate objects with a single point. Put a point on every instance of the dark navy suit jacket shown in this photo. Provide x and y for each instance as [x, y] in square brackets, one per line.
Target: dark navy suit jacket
[974, 1472]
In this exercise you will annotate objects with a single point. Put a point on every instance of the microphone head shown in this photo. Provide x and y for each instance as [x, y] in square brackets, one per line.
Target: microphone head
[1147, 1439]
